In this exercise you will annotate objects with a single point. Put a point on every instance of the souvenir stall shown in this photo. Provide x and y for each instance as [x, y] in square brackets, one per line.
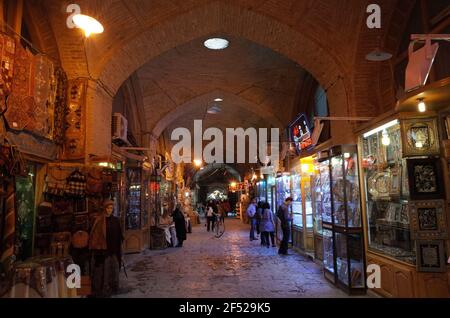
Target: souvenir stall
[405, 176]
[271, 192]
[282, 191]
[320, 201]
[303, 230]
[342, 227]
[137, 206]
[261, 191]
[33, 127]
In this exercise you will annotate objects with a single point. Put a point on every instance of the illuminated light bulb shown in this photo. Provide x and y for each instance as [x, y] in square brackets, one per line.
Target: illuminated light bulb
[88, 24]
[197, 162]
[385, 140]
[233, 184]
[421, 106]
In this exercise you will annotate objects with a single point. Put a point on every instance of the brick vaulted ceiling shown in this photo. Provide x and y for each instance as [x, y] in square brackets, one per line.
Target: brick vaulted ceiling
[276, 41]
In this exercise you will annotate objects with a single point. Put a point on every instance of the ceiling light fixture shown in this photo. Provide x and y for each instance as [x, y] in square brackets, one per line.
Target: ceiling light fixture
[216, 43]
[422, 107]
[218, 100]
[378, 55]
[385, 140]
[88, 24]
[214, 110]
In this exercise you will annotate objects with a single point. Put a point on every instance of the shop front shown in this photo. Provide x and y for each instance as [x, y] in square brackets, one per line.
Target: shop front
[404, 173]
[137, 207]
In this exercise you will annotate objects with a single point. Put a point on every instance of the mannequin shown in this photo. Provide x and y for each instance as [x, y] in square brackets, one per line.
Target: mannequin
[105, 243]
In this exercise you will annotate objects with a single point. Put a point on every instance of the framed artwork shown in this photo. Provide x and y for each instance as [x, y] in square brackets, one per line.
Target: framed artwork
[430, 256]
[404, 178]
[395, 182]
[428, 219]
[378, 185]
[404, 214]
[425, 179]
[420, 137]
[393, 151]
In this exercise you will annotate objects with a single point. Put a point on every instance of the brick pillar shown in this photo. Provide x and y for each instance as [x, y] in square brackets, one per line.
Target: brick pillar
[98, 121]
[341, 131]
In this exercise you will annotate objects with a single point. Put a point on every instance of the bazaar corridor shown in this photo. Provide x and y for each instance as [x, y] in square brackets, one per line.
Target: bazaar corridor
[324, 125]
[226, 267]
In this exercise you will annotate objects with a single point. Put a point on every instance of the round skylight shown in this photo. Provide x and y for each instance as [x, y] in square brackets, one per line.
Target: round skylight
[216, 43]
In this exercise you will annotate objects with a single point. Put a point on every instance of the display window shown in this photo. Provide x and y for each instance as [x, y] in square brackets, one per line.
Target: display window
[134, 188]
[385, 175]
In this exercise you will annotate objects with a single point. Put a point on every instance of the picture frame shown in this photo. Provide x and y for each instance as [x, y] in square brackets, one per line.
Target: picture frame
[428, 220]
[430, 256]
[395, 183]
[420, 137]
[425, 179]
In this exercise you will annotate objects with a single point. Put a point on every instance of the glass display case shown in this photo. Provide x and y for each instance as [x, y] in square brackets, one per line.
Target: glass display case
[386, 186]
[261, 191]
[283, 189]
[297, 200]
[133, 195]
[342, 228]
[316, 201]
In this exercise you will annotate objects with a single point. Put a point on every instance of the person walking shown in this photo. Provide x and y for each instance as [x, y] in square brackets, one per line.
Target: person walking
[285, 217]
[251, 211]
[259, 211]
[209, 217]
[180, 224]
[267, 226]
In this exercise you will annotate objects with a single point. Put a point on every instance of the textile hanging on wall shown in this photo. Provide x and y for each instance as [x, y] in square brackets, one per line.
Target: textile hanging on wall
[60, 106]
[20, 102]
[74, 143]
[7, 51]
[22, 83]
[44, 96]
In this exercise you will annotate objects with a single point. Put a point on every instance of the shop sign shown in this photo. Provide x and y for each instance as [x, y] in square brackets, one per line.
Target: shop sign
[31, 145]
[300, 133]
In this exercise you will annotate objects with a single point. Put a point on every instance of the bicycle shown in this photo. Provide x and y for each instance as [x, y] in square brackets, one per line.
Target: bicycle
[219, 227]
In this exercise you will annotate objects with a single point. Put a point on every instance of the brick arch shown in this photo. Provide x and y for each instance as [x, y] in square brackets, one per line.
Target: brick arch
[221, 18]
[263, 111]
[210, 167]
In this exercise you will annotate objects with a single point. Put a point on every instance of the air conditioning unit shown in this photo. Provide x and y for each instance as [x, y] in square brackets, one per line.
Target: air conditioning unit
[119, 127]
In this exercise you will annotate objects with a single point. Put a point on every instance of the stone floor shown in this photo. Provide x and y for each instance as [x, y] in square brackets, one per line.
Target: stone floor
[230, 266]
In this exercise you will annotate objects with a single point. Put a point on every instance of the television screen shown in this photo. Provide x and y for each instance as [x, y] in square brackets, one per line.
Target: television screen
[300, 133]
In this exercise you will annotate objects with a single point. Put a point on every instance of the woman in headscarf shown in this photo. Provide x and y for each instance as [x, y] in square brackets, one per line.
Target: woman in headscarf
[180, 224]
[105, 243]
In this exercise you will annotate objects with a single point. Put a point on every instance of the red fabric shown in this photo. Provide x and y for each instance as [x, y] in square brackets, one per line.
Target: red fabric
[7, 51]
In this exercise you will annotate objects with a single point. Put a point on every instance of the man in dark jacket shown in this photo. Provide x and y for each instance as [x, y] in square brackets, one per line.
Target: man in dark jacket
[285, 217]
[180, 224]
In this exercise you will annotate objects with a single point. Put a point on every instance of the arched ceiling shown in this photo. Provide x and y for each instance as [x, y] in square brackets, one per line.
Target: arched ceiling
[326, 38]
[254, 82]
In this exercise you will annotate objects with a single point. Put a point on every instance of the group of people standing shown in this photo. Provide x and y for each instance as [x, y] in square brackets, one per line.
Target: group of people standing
[216, 209]
[262, 220]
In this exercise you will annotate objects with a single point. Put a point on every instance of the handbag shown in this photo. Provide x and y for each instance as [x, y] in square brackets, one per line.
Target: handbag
[63, 222]
[45, 208]
[44, 223]
[61, 207]
[76, 184]
[80, 239]
[81, 221]
[55, 182]
[94, 182]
